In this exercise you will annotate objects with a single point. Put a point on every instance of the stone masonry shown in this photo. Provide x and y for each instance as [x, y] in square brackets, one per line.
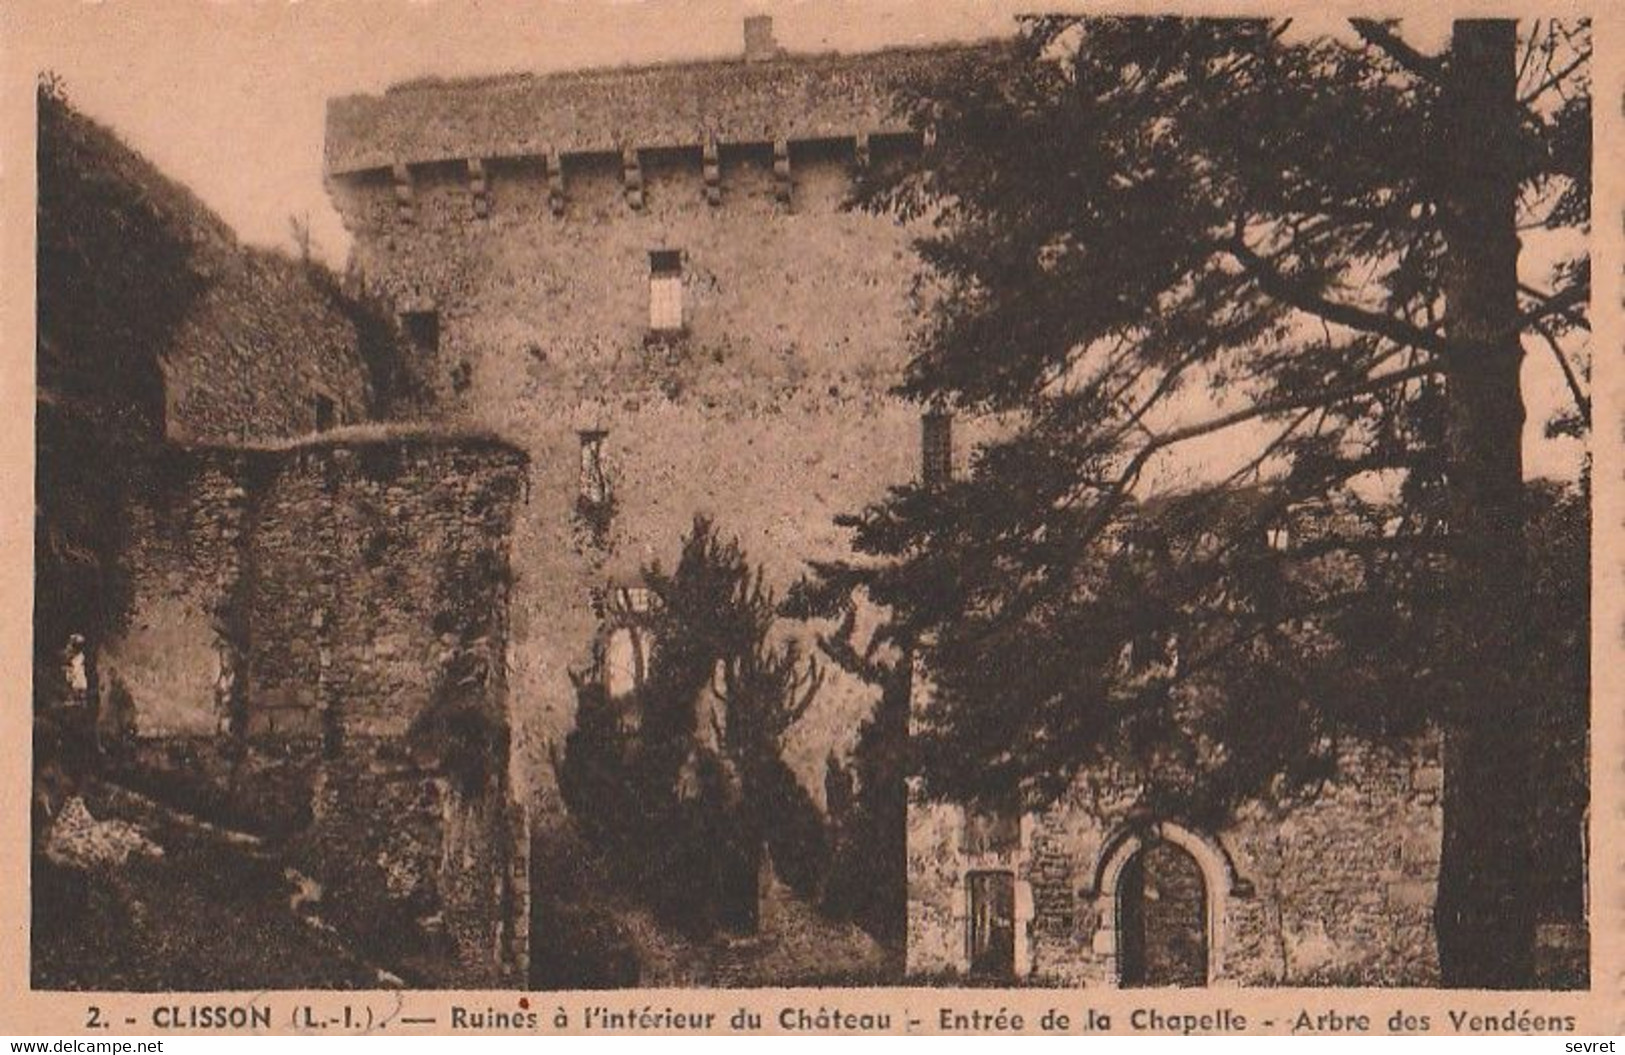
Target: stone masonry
[1337, 890]
[650, 279]
[766, 407]
[325, 622]
[310, 608]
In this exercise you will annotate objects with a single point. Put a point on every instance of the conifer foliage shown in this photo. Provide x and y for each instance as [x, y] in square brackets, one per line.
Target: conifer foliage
[1331, 253]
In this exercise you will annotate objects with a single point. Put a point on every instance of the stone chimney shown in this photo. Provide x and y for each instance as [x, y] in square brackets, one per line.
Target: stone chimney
[759, 43]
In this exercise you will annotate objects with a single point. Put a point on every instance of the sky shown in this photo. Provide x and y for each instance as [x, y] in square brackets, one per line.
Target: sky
[229, 96]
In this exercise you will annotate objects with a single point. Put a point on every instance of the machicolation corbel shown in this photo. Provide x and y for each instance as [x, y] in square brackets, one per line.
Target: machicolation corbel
[783, 186]
[479, 194]
[712, 164]
[405, 206]
[632, 177]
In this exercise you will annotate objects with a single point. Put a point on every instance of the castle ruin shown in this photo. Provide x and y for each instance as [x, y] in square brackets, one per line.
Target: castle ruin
[647, 278]
[650, 284]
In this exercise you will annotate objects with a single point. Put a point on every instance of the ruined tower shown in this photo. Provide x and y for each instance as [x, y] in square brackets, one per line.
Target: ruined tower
[649, 279]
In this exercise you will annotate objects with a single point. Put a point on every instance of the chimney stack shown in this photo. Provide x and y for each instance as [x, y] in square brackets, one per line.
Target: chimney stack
[759, 43]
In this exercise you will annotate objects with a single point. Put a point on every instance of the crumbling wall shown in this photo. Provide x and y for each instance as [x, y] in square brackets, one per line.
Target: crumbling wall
[184, 561]
[264, 343]
[250, 338]
[381, 578]
[1336, 890]
[806, 97]
[339, 608]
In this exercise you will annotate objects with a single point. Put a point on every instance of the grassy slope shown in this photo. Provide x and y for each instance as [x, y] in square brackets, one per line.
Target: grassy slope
[211, 913]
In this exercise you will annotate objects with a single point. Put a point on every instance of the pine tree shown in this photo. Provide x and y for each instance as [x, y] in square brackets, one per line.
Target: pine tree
[1151, 233]
[685, 798]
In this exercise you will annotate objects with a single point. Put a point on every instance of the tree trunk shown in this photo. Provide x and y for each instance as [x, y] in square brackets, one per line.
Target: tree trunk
[1484, 912]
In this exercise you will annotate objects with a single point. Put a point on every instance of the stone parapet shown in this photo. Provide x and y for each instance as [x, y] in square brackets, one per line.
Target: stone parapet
[793, 99]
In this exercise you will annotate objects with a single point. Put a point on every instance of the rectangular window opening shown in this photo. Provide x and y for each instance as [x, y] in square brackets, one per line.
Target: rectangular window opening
[666, 291]
[665, 262]
[422, 329]
[594, 477]
[992, 830]
[326, 414]
[991, 924]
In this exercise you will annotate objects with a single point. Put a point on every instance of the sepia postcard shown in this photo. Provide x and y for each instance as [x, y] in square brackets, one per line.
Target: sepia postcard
[772, 517]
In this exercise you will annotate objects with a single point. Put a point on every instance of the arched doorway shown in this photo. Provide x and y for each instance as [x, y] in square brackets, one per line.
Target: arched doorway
[1162, 918]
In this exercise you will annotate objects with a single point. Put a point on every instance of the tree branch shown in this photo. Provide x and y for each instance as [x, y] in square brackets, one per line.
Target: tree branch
[1119, 488]
[1271, 407]
[1563, 303]
[1529, 48]
[1304, 299]
[1382, 35]
[1557, 78]
[1582, 402]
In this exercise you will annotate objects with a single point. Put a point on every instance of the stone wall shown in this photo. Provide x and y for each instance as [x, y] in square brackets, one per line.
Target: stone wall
[185, 516]
[794, 98]
[771, 413]
[520, 214]
[257, 336]
[340, 605]
[1334, 891]
[261, 346]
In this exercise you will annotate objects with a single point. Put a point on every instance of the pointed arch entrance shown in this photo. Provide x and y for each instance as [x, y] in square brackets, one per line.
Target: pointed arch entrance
[1162, 919]
[1161, 892]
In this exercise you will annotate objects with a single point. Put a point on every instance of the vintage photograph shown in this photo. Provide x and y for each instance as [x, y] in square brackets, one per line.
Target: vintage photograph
[571, 497]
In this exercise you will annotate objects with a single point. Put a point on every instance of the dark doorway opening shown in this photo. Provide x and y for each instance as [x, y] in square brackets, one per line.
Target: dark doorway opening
[992, 924]
[423, 330]
[1162, 919]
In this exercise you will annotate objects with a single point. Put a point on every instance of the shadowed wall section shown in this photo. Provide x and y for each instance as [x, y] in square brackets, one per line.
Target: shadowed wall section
[317, 651]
